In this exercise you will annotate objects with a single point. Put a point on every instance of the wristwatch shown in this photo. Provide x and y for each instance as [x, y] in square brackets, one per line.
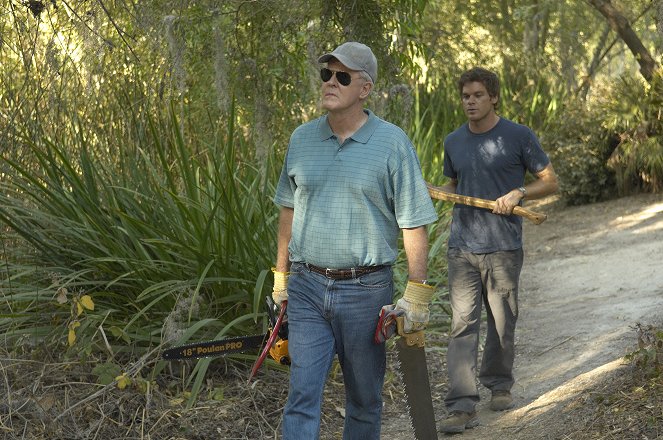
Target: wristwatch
[424, 282]
[523, 190]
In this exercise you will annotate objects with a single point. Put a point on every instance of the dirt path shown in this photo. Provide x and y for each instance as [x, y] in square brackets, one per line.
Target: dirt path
[590, 274]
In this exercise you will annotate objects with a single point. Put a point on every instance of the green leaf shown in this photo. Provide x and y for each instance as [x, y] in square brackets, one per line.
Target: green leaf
[106, 372]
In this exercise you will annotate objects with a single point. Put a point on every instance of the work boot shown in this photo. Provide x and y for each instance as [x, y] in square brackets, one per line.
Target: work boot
[501, 400]
[458, 421]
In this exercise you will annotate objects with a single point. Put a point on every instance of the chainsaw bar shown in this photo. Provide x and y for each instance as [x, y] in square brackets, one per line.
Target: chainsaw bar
[278, 331]
[215, 348]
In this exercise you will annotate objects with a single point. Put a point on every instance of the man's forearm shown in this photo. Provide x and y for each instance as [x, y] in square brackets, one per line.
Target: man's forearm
[415, 242]
[283, 239]
[545, 184]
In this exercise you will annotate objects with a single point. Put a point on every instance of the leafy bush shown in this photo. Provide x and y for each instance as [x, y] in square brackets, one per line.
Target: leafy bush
[634, 111]
[579, 148]
[638, 164]
[611, 144]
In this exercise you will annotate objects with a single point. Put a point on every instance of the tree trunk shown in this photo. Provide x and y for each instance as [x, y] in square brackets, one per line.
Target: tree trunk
[620, 24]
[659, 18]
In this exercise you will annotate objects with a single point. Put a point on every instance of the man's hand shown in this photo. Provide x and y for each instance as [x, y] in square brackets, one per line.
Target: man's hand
[505, 204]
[280, 292]
[545, 184]
[415, 305]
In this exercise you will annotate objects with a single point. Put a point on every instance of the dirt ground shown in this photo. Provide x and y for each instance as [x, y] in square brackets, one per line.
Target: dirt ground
[591, 273]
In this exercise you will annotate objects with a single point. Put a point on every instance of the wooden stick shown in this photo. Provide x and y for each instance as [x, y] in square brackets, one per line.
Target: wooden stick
[439, 194]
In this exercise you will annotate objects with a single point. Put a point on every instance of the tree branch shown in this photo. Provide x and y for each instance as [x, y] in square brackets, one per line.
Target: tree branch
[119, 31]
[620, 24]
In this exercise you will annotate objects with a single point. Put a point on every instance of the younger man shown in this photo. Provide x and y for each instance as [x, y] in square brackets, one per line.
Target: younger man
[486, 157]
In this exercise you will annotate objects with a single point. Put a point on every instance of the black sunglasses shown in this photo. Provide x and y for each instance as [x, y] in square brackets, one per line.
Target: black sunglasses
[343, 78]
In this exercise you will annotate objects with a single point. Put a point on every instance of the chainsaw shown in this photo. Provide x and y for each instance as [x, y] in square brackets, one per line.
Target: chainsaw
[275, 342]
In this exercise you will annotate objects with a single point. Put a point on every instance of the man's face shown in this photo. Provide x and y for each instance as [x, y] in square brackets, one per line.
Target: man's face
[477, 103]
[336, 96]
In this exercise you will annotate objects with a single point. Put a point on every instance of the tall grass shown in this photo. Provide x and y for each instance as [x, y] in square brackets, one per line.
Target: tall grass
[142, 230]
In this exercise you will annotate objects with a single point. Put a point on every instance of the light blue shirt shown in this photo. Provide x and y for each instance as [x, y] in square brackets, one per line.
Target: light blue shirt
[351, 200]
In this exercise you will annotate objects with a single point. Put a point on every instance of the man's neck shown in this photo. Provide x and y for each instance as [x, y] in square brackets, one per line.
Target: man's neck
[345, 124]
[484, 124]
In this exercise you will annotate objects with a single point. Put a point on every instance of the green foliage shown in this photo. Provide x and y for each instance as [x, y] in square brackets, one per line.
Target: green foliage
[533, 100]
[635, 113]
[608, 145]
[106, 372]
[611, 144]
[638, 164]
[582, 173]
[648, 357]
[579, 149]
[146, 232]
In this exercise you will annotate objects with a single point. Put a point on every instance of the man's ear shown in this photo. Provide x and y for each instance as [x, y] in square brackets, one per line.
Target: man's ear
[366, 89]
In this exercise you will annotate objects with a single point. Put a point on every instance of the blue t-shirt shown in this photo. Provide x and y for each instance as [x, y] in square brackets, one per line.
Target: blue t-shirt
[489, 165]
[351, 200]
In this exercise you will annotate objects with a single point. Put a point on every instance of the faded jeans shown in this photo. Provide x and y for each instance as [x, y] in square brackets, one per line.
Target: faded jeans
[491, 279]
[335, 317]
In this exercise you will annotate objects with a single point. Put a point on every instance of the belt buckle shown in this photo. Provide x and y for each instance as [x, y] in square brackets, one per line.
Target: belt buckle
[328, 272]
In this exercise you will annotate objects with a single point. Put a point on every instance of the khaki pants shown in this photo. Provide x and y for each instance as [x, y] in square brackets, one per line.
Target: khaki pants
[476, 279]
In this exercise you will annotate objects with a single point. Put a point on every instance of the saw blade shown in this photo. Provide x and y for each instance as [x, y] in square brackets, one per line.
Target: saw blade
[414, 372]
[215, 348]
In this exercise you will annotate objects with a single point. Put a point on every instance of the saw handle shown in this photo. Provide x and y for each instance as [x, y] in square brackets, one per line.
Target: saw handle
[411, 339]
[439, 194]
[270, 341]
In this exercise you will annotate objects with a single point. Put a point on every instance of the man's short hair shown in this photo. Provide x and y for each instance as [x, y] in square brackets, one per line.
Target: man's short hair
[365, 76]
[486, 77]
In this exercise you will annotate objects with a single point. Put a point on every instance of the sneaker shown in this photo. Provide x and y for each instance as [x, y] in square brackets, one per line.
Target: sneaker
[458, 421]
[501, 400]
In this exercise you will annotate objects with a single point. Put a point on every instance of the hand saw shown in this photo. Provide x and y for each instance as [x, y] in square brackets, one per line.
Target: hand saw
[413, 369]
[275, 342]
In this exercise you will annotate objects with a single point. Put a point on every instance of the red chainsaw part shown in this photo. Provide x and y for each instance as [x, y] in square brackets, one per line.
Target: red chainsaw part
[272, 337]
[386, 327]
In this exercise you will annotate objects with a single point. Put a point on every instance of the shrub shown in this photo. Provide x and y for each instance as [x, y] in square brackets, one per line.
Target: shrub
[634, 111]
[579, 148]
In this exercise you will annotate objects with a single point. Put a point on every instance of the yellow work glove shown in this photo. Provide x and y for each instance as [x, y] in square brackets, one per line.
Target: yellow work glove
[280, 292]
[415, 302]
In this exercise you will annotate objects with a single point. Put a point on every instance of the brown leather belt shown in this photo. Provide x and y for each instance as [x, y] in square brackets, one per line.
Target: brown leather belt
[344, 274]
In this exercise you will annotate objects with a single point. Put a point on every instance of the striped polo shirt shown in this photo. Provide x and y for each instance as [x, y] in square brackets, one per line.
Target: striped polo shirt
[350, 200]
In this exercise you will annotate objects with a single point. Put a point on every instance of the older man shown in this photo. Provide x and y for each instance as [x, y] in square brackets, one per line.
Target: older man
[351, 182]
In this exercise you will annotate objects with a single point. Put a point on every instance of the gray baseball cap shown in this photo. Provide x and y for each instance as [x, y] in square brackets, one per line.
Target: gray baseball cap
[355, 56]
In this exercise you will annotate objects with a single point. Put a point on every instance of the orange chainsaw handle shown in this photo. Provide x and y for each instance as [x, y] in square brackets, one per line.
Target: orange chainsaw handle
[272, 337]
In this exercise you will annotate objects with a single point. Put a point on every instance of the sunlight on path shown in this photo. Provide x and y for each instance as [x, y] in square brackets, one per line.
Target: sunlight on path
[521, 417]
[633, 220]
